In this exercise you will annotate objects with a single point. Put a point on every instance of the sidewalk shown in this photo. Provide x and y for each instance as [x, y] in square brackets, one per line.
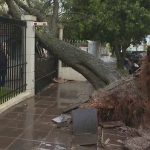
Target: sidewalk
[28, 125]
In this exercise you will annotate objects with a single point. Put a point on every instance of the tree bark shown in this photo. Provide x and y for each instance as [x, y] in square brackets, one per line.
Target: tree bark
[120, 54]
[54, 22]
[96, 71]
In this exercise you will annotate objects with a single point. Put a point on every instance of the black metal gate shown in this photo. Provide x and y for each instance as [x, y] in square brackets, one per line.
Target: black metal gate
[46, 68]
[12, 58]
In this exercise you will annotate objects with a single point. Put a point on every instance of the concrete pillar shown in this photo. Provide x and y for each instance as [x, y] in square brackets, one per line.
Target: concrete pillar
[61, 29]
[30, 53]
[92, 47]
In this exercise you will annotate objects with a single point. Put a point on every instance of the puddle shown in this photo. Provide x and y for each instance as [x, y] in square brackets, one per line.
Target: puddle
[72, 93]
[51, 146]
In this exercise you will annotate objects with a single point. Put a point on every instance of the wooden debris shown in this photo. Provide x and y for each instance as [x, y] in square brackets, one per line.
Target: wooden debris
[112, 124]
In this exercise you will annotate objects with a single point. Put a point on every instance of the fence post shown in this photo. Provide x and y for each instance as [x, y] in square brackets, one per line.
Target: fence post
[30, 53]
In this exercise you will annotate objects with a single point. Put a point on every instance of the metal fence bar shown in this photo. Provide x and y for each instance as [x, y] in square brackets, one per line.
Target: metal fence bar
[12, 48]
[50, 64]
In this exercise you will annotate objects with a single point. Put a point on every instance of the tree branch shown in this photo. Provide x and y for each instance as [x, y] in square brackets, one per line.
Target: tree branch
[30, 10]
[46, 6]
[28, 2]
[54, 21]
[13, 10]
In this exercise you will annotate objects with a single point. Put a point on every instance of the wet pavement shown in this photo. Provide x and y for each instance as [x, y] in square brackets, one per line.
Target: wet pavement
[28, 125]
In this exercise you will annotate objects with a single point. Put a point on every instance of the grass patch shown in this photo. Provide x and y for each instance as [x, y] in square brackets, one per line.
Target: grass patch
[3, 92]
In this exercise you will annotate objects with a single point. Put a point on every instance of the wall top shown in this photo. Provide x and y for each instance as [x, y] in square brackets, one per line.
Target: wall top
[28, 18]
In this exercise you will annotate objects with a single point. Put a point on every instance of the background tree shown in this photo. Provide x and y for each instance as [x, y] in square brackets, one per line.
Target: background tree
[118, 22]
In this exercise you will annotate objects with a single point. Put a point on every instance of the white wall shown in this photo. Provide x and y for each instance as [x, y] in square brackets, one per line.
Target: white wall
[69, 73]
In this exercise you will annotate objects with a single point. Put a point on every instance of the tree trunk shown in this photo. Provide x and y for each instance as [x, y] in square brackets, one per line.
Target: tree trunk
[95, 70]
[120, 54]
[54, 22]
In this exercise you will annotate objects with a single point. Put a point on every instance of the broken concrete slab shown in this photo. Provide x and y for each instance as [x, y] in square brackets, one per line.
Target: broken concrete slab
[74, 106]
[128, 131]
[112, 147]
[145, 134]
[137, 143]
[85, 139]
[84, 148]
[84, 121]
[112, 124]
[71, 107]
[63, 120]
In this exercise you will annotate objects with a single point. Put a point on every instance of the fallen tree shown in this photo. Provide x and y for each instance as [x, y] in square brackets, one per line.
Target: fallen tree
[127, 99]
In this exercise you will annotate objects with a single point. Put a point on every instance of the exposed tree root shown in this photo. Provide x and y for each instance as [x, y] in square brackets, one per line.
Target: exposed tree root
[128, 99]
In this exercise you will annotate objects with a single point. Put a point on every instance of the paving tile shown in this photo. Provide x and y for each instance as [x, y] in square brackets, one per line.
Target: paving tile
[37, 110]
[59, 136]
[21, 108]
[5, 141]
[45, 98]
[52, 146]
[53, 111]
[46, 118]
[84, 148]
[42, 126]
[27, 116]
[32, 134]
[85, 140]
[5, 122]
[10, 132]
[45, 104]
[52, 91]
[24, 145]
[22, 124]
[10, 115]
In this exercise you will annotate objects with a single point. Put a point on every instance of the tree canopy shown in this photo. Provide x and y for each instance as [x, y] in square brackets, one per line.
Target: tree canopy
[118, 22]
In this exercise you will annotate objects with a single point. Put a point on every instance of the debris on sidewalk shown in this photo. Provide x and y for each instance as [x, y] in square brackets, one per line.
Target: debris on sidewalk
[120, 141]
[112, 124]
[128, 131]
[85, 140]
[145, 133]
[107, 141]
[50, 146]
[84, 121]
[59, 80]
[137, 143]
[74, 106]
[85, 126]
[71, 107]
[62, 120]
